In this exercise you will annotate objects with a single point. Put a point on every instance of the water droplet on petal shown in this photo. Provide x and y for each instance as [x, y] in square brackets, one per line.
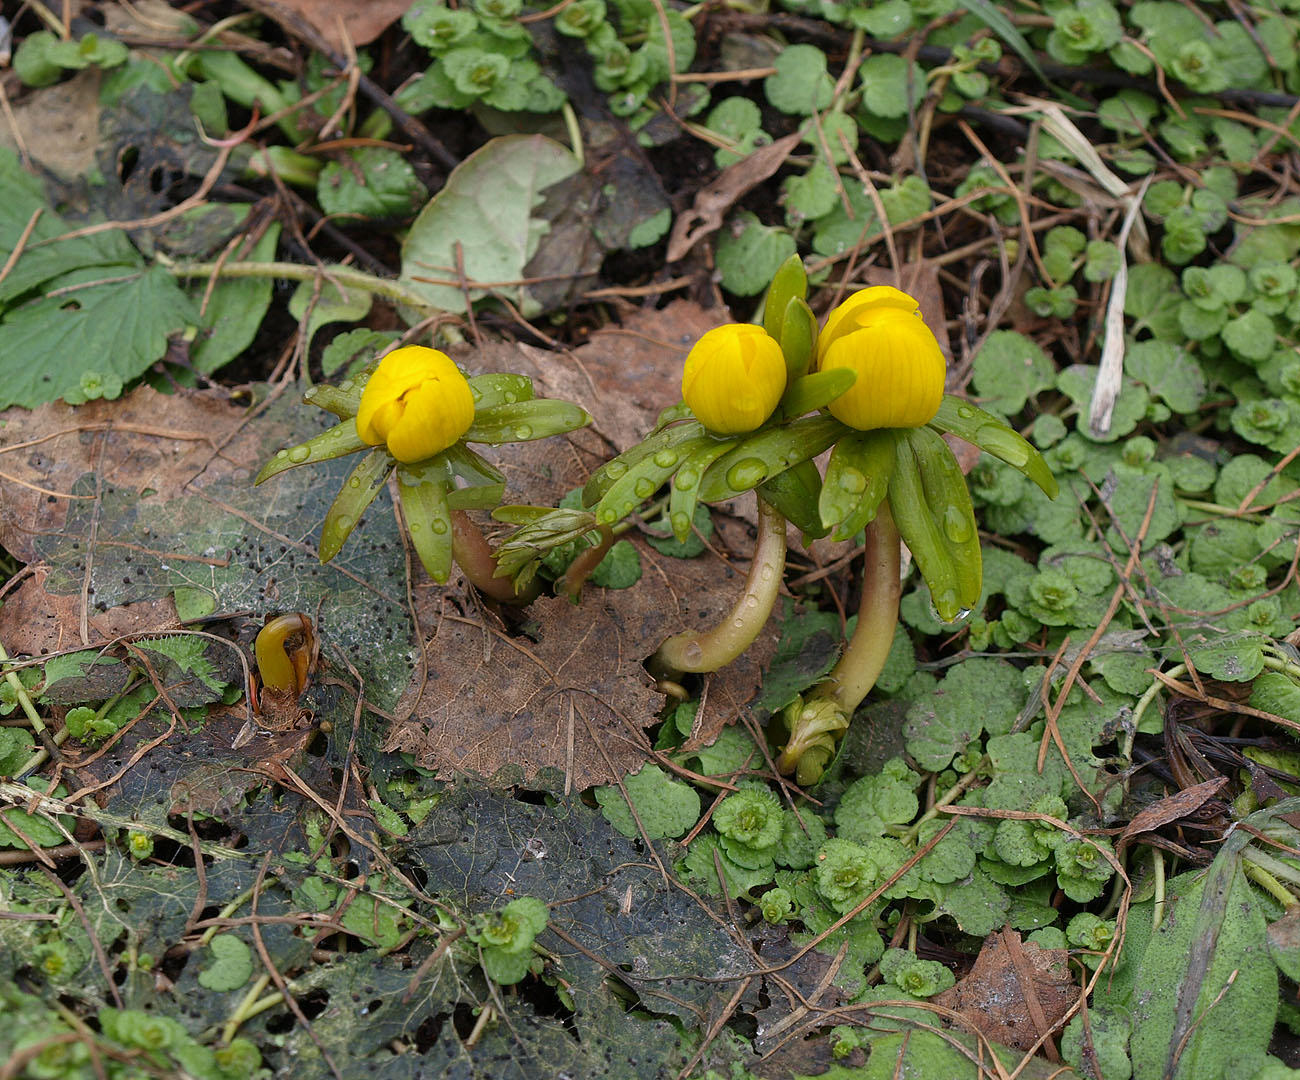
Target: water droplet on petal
[345, 385]
[523, 431]
[666, 459]
[343, 524]
[946, 602]
[1007, 445]
[282, 454]
[508, 397]
[766, 573]
[751, 601]
[852, 480]
[747, 474]
[965, 412]
[615, 469]
[476, 393]
[644, 487]
[354, 482]
[687, 479]
[956, 525]
[299, 454]
[439, 526]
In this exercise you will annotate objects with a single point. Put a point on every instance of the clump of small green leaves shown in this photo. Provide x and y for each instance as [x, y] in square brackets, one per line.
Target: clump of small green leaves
[916, 978]
[483, 54]
[43, 57]
[505, 938]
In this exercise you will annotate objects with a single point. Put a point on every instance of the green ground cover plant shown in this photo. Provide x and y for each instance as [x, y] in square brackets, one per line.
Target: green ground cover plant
[1077, 766]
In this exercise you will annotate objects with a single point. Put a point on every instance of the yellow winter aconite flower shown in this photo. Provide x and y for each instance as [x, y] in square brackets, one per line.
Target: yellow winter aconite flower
[417, 403]
[879, 333]
[734, 378]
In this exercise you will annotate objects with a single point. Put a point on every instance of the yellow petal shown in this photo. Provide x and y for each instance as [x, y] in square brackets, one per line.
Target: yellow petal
[417, 402]
[438, 412]
[734, 378]
[862, 304]
[900, 370]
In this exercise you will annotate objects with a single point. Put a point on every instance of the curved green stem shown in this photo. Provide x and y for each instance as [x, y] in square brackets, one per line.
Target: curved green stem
[817, 724]
[1276, 869]
[290, 166]
[275, 667]
[20, 692]
[709, 650]
[473, 554]
[864, 658]
[347, 277]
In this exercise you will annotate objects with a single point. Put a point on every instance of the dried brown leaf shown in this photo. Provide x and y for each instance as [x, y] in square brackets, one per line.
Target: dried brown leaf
[58, 126]
[1173, 808]
[359, 21]
[578, 700]
[1015, 993]
[715, 199]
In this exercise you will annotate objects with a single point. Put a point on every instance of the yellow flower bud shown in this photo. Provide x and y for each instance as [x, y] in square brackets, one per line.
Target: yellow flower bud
[734, 378]
[417, 402]
[879, 334]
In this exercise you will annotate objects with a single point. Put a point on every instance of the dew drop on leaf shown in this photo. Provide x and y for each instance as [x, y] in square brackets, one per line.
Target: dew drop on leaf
[1004, 444]
[956, 525]
[747, 473]
[852, 480]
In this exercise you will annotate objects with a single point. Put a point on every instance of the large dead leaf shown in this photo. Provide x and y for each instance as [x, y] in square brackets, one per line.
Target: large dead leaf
[58, 125]
[127, 508]
[577, 700]
[1015, 993]
[338, 21]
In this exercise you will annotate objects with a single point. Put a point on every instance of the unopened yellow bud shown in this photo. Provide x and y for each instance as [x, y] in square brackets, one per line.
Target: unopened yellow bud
[734, 378]
[879, 334]
[417, 403]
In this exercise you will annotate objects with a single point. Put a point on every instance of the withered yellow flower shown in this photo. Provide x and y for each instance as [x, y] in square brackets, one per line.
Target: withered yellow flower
[734, 378]
[417, 403]
[879, 334]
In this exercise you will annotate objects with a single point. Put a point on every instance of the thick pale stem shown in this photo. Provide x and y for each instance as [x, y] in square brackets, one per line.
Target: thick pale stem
[864, 658]
[817, 724]
[473, 554]
[711, 649]
[347, 277]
